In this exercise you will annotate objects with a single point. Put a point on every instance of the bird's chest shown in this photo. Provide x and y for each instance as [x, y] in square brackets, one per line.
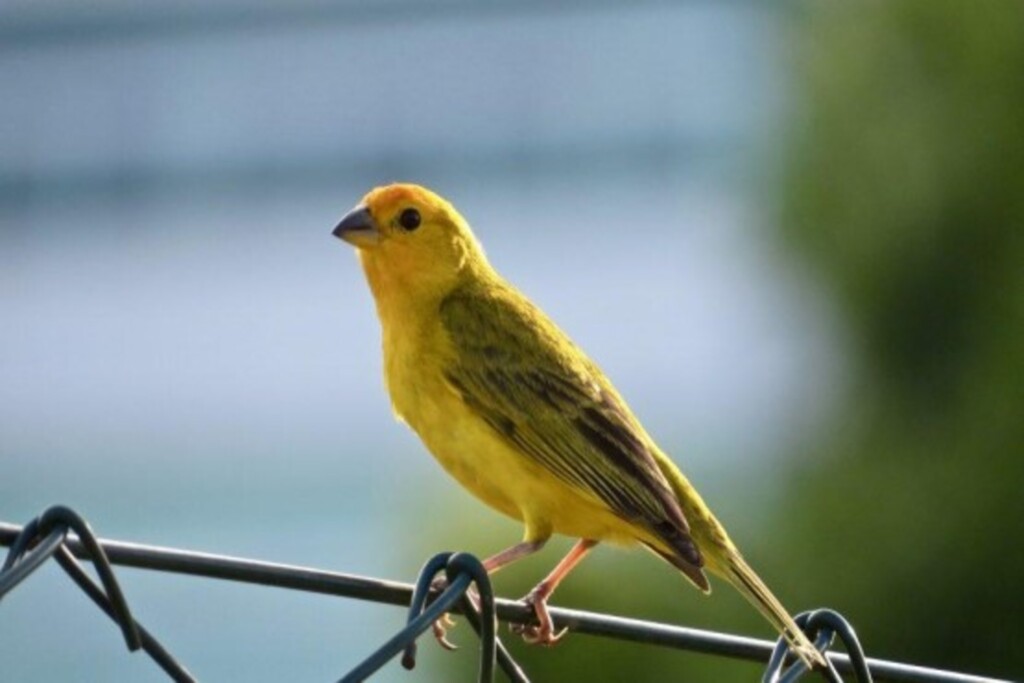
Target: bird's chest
[413, 373]
[462, 443]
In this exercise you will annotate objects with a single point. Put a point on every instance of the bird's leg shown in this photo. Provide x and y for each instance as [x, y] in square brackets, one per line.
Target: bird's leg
[544, 632]
[491, 565]
[509, 555]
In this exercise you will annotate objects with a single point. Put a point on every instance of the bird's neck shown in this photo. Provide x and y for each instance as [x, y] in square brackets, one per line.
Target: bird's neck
[403, 300]
[405, 288]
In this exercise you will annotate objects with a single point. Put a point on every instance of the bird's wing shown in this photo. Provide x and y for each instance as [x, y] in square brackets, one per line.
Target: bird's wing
[526, 379]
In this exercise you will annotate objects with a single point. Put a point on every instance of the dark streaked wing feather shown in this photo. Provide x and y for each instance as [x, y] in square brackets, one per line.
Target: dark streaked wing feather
[513, 368]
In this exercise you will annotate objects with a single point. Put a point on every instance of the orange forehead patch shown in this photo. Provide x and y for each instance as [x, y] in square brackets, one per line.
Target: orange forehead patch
[390, 195]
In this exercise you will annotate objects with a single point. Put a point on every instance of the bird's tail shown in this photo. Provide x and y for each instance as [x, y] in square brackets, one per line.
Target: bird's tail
[740, 575]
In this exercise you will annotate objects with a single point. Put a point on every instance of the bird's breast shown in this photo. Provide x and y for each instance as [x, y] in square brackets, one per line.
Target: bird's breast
[461, 442]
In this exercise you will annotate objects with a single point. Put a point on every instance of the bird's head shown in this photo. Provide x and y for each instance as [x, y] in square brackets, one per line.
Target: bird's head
[410, 240]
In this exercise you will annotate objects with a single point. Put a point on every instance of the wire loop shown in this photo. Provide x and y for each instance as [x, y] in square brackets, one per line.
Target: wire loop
[45, 537]
[823, 625]
[462, 571]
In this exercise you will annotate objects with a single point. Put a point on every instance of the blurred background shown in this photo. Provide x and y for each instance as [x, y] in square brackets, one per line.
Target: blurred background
[792, 233]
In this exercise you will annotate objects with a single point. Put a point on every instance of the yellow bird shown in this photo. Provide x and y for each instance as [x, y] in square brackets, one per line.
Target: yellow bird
[519, 415]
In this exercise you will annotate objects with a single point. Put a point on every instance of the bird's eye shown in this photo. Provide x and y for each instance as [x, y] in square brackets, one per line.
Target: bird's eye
[409, 219]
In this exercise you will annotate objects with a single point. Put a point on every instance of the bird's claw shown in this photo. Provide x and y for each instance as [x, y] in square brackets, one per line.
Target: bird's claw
[441, 626]
[543, 632]
[538, 635]
[440, 629]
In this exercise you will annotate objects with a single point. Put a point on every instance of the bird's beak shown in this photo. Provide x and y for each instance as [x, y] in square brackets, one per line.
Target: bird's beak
[358, 228]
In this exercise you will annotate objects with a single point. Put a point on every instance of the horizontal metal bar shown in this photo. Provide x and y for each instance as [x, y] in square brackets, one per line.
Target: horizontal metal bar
[396, 593]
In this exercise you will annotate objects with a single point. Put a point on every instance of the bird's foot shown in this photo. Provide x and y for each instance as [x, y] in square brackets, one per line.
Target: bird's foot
[440, 630]
[440, 627]
[543, 632]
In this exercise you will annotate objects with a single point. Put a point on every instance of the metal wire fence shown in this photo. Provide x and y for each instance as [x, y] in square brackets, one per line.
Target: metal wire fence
[50, 535]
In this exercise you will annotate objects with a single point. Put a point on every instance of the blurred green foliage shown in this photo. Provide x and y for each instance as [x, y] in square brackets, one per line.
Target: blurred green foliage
[905, 189]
